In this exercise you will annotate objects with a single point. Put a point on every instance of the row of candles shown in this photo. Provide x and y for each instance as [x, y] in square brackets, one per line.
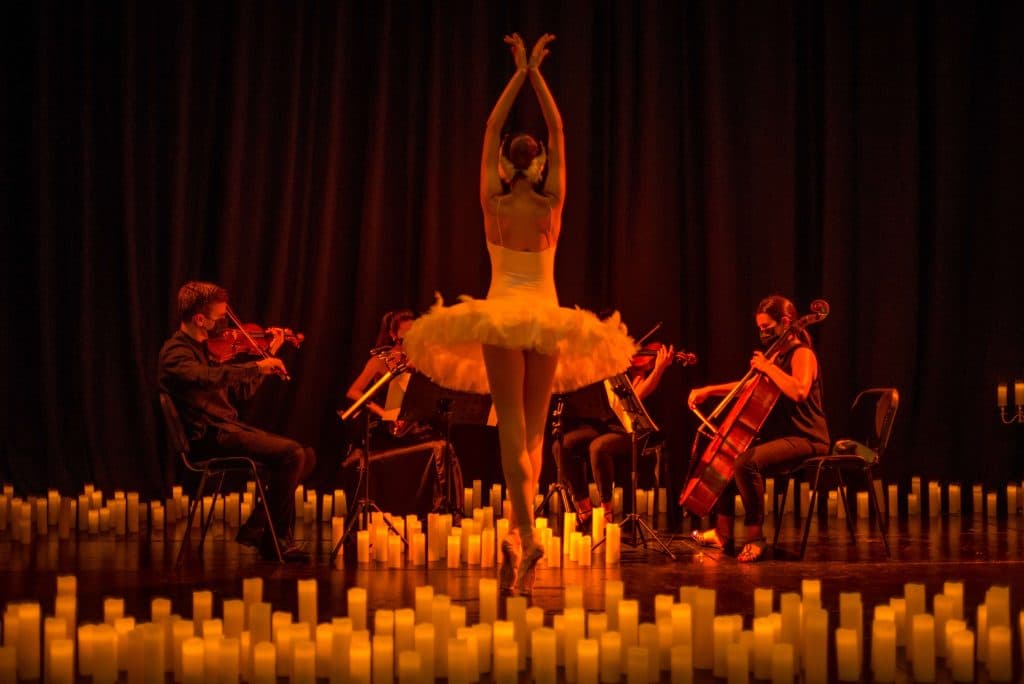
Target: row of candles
[251, 642]
[1002, 392]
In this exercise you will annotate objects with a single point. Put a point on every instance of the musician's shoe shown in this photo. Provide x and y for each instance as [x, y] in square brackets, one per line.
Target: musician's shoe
[290, 552]
[509, 567]
[710, 539]
[753, 551]
[251, 533]
[528, 569]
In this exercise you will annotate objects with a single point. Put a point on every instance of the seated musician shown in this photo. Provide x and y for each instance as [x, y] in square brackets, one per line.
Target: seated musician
[608, 446]
[204, 393]
[794, 430]
[390, 432]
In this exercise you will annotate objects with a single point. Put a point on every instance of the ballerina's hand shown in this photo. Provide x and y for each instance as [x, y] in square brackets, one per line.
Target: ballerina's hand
[515, 42]
[540, 50]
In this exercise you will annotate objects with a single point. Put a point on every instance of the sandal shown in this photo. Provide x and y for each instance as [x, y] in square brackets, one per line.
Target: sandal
[753, 551]
[710, 539]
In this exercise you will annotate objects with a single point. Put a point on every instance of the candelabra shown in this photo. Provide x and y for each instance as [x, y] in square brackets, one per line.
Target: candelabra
[1002, 399]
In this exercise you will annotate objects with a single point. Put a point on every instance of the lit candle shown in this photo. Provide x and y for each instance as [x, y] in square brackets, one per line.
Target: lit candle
[359, 662]
[723, 632]
[611, 657]
[29, 637]
[383, 658]
[990, 505]
[423, 634]
[93, 521]
[485, 642]
[703, 636]
[363, 546]
[810, 593]
[454, 546]
[404, 626]
[613, 593]
[913, 504]
[954, 499]
[113, 608]
[934, 499]
[202, 606]
[681, 663]
[488, 600]
[815, 646]
[613, 543]
[764, 639]
[419, 545]
[738, 663]
[357, 608]
[193, 661]
[847, 662]
[1011, 500]
[132, 513]
[682, 625]
[977, 498]
[441, 619]
[782, 664]
[103, 661]
[575, 620]
[1000, 650]
[952, 627]
[252, 591]
[409, 665]
[424, 599]
[922, 643]
[636, 665]
[883, 650]
[597, 523]
[1001, 391]
[1018, 392]
[264, 663]
[790, 607]
[61, 662]
[914, 594]
[543, 658]
[506, 658]
[962, 652]
[862, 505]
[588, 661]
[380, 543]
[893, 500]
[942, 609]
[180, 631]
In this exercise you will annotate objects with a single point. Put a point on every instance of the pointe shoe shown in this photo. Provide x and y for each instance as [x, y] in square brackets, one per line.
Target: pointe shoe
[528, 569]
[508, 573]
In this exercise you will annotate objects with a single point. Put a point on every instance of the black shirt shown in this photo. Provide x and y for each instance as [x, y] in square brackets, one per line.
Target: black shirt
[204, 390]
[797, 418]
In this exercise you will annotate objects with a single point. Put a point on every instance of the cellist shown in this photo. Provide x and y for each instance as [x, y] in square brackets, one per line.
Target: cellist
[795, 430]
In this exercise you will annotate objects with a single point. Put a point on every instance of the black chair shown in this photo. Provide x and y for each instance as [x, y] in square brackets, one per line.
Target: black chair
[217, 468]
[872, 415]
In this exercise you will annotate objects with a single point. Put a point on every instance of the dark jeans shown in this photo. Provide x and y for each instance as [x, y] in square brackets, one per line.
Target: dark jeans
[753, 464]
[610, 454]
[285, 463]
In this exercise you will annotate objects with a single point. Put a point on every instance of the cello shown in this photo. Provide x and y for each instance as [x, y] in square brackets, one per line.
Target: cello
[755, 395]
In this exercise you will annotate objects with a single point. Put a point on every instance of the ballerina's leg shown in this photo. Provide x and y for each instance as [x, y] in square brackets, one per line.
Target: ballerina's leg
[539, 374]
[506, 370]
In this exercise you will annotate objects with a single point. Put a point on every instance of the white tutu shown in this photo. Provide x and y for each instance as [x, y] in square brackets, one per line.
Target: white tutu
[445, 343]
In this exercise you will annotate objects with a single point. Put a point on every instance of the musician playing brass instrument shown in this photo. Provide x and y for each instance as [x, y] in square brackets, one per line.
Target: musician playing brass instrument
[795, 429]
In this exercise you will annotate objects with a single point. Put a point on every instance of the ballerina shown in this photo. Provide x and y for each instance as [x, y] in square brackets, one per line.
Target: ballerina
[519, 344]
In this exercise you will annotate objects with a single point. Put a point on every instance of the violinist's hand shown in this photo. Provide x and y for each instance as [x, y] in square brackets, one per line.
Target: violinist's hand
[272, 365]
[276, 339]
[518, 47]
[664, 358]
[760, 362]
[540, 51]
[697, 396]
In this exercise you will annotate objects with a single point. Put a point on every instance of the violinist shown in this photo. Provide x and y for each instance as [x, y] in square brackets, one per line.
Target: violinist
[393, 327]
[605, 442]
[204, 392]
[795, 429]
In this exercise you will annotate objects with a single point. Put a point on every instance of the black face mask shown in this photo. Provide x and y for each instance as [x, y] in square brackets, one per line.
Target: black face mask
[769, 335]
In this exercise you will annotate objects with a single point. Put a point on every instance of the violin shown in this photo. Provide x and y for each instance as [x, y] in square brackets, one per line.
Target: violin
[251, 339]
[643, 361]
[246, 339]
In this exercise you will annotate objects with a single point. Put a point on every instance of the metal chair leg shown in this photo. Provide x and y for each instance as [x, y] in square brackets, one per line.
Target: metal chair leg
[846, 505]
[811, 509]
[209, 514]
[779, 513]
[192, 514]
[883, 524]
[261, 492]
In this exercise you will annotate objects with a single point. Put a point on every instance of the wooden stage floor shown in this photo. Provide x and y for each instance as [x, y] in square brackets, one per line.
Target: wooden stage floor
[973, 550]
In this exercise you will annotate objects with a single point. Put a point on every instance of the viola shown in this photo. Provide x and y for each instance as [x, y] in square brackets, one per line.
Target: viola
[643, 360]
[755, 395]
[249, 339]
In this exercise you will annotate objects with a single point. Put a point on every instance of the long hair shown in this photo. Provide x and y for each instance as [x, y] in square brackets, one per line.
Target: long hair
[387, 336]
[779, 307]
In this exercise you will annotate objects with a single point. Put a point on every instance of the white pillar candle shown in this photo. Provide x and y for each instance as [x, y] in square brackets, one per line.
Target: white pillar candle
[410, 665]
[681, 664]
[815, 646]
[454, 546]
[575, 630]
[977, 499]
[636, 665]
[914, 593]
[851, 616]
[264, 663]
[883, 650]
[981, 620]
[847, 662]
[613, 594]
[783, 668]
[588, 661]
[991, 502]
[383, 658]
[942, 610]
[423, 602]
[484, 637]
[542, 656]
[132, 513]
[723, 634]
[363, 546]
[961, 662]
[193, 661]
[934, 499]
[955, 592]
[488, 600]
[506, 657]
[764, 639]
[1000, 651]
[682, 625]
[357, 608]
[862, 505]
[629, 618]
[441, 619]
[611, 657]
[613, 543]
[790, 608]
[954, 499]
[810, 593]
[893, 500]
[103, 659]
[913, 504]
[423, 634]
[703, 617]
[405, 624]
[29, 637]
[360, 663]
[922, 644]
[418, 553]
[738, 663]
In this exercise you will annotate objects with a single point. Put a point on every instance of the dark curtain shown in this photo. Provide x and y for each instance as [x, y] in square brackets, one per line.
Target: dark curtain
[320, 160]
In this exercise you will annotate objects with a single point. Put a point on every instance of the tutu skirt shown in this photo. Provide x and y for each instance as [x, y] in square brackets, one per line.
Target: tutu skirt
[445, 343]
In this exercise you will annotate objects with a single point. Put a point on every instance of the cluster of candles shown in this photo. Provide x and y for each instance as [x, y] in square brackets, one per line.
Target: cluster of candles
[1002, 390]
[251, 642]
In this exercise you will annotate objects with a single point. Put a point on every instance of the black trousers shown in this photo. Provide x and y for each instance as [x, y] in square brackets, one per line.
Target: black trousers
[609, 452]
[285, 462]
[751, 467]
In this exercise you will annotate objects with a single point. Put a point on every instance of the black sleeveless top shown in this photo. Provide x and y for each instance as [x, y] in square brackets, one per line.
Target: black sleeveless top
[800, 419]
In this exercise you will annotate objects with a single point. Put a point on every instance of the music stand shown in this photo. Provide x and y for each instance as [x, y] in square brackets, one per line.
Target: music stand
[643, 427]
[427, 402]
[556, 487]
[364, 504]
